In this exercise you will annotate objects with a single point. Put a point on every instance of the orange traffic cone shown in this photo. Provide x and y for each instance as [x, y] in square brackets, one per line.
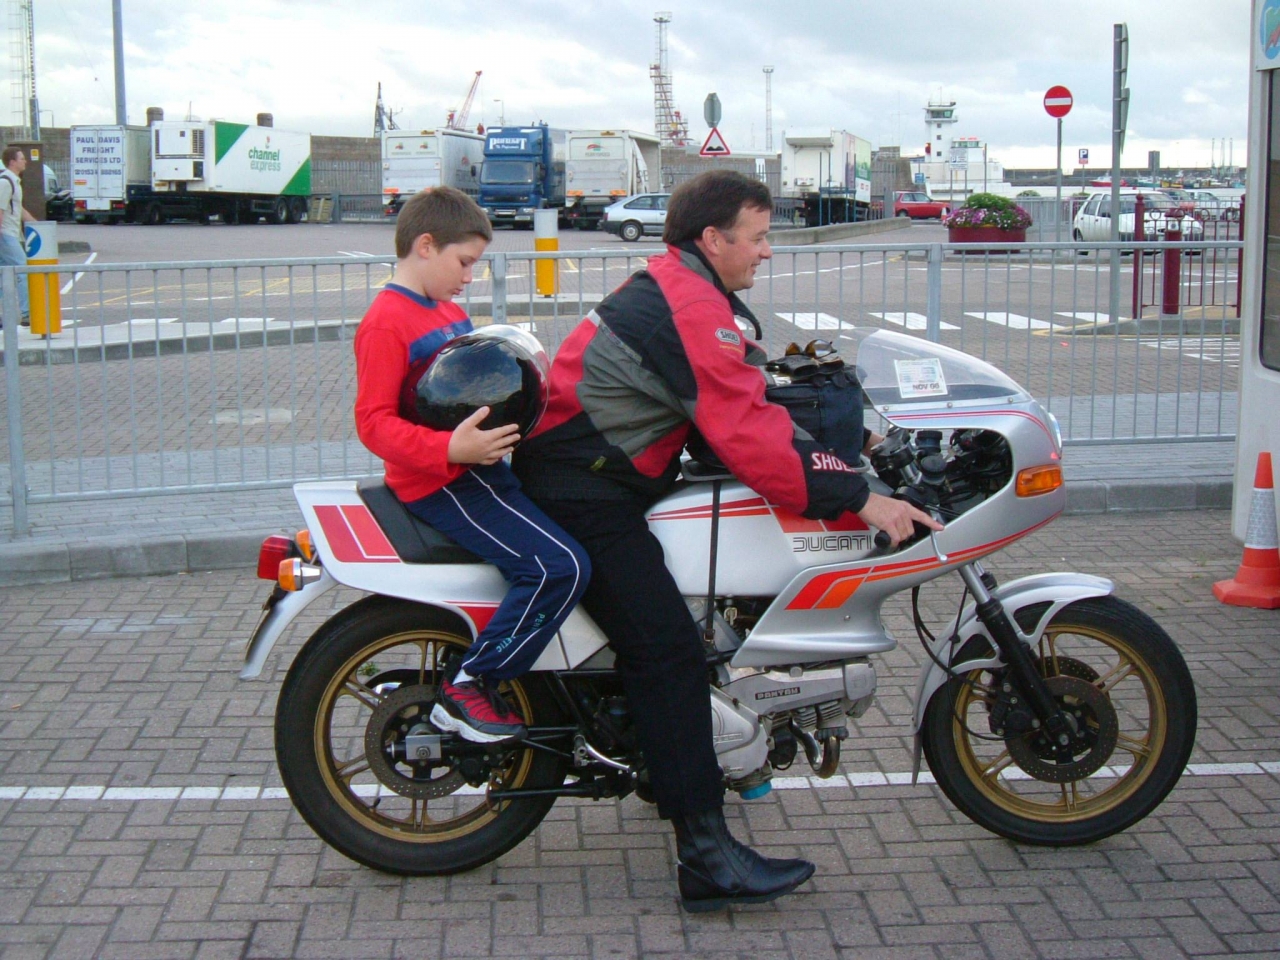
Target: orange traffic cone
[1257, 581]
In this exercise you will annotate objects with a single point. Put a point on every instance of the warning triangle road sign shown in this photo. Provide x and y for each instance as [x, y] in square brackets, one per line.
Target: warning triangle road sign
[715, 145]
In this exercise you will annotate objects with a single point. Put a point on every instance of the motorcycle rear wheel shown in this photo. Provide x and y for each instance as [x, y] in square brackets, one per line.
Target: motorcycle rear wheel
[366, 676]
[1143, 685]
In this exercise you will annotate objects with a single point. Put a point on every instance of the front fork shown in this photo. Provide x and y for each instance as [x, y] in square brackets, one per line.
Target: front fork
[1023, 671]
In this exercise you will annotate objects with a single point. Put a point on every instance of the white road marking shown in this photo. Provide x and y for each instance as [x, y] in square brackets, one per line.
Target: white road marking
[814, 321]
[1014, 321]
[72, 282]
[1088, 317]
[912, 321]
[857, 779]
[1226, 352]
[355, 253]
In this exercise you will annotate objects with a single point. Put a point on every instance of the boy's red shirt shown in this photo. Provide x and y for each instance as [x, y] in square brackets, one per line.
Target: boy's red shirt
[400, 328]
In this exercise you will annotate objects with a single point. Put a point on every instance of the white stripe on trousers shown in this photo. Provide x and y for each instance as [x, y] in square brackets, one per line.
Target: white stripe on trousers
[578, 575]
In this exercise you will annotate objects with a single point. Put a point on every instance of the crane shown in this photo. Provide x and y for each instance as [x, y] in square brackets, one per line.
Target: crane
[458, 118]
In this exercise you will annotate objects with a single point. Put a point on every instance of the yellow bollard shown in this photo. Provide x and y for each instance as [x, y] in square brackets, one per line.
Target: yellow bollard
[41, 239]
[546, 237]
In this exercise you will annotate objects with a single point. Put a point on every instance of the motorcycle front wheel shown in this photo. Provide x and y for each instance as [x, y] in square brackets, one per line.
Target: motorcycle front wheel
[1128, 693]
[352, 714]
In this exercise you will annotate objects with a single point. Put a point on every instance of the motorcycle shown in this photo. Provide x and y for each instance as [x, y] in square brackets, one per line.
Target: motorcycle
[1049, 711]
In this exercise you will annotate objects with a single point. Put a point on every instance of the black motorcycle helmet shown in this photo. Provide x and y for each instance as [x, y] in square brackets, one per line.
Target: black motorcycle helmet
[500, 367]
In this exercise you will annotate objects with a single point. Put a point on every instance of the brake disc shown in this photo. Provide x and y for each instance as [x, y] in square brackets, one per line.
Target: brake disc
[402, 712]
[1093, 739]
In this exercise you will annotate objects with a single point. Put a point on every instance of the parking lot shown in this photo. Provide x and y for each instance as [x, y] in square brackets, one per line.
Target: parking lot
[141, 815]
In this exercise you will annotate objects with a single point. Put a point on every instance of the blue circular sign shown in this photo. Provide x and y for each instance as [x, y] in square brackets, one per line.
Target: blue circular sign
[1269, 29]
[33, 242]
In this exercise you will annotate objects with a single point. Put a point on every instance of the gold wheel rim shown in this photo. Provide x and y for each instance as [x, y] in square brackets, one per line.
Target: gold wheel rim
[347, 702]
[991, 769]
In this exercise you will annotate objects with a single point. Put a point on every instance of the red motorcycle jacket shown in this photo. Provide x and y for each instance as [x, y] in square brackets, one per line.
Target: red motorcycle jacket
[660, 355]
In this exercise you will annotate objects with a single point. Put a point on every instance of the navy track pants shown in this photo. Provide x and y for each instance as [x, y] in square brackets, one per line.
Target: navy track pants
[486, 512]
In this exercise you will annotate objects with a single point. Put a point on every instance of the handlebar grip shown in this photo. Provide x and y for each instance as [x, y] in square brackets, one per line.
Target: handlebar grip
[882, 539]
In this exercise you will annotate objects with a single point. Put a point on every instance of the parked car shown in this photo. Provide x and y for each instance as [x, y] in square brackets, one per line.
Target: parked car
[58, 203]
[635, 216]
[1093, 221]
[1182, 199]
[919, 206]
[1210, 206]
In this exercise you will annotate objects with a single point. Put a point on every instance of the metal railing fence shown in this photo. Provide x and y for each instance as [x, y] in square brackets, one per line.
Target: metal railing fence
[221, 375]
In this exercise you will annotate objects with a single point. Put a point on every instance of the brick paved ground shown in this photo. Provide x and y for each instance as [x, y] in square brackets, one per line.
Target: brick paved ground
[130, 684]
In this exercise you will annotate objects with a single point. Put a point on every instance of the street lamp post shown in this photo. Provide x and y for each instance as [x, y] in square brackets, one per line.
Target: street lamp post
[502, 111]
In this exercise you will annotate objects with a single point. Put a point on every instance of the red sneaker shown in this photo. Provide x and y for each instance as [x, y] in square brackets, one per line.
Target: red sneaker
[476, 713]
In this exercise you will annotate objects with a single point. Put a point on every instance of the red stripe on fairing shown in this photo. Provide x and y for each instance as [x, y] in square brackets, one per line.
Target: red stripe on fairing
[738, 508]
[373, 541]
[794, 523]
[480, 613]
[341, 538]
[830, 590]
[976, 413]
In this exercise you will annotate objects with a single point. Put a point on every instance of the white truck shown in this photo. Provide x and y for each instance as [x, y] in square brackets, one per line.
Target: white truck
[237, 171]
[604, 166]
[826, 174]
[110, 172]
[417, 160]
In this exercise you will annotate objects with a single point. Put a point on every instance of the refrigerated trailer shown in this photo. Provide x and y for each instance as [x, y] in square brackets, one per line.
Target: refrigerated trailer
[604, 166]
[237, 171]
[110, 172]
[827, 173]
[418, 160]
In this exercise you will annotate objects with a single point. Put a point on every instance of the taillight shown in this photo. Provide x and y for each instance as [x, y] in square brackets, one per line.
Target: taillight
[275, 549]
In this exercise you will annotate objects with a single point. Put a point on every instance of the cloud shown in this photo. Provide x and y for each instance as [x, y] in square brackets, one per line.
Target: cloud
[866, 67]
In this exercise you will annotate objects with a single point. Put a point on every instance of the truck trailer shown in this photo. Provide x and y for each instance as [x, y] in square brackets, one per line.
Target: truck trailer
[827, 174]
[524, 171]
[604, 166]
[237, 171]
[418, 160]
[110, 172]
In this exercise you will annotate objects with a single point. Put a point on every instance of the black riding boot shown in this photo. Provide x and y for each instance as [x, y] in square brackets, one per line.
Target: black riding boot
[716, 870]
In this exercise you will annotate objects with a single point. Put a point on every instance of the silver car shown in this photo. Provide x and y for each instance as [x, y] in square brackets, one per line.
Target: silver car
[1093, 221]
[635, 216]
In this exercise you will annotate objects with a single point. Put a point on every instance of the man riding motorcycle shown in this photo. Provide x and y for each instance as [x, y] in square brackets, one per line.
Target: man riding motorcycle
[659, 357]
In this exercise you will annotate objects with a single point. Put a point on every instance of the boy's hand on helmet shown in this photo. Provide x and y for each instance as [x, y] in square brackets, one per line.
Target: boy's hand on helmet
[469, 444]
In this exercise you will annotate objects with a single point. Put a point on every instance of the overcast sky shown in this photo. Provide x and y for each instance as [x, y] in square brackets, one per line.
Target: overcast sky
[862, 66]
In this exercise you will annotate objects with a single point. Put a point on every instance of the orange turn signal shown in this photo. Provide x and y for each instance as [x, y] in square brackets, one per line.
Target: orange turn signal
[294, 574]
[308, 549]
[1033, 481]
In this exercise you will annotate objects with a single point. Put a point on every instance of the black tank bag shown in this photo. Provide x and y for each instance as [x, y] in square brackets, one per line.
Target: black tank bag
[824, 399]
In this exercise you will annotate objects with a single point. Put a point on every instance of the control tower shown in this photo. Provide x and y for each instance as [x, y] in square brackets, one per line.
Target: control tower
[939, 117]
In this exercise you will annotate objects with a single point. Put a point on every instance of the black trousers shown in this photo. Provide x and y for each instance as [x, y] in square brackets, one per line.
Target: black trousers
[635, 601]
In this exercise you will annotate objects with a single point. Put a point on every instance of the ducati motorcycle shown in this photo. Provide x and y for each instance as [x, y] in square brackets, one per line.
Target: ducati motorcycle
[1049, 711]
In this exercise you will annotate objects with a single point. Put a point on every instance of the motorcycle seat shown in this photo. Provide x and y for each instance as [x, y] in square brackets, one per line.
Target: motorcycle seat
[414, 540]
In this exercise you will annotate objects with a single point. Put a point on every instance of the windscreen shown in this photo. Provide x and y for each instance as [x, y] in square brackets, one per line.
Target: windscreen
[897, 369]
[506, 171]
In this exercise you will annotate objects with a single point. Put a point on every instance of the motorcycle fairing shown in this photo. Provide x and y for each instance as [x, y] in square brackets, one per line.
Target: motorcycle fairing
[832, 610]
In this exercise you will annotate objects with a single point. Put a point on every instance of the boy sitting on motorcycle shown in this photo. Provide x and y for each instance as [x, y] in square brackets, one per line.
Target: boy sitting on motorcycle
[457, 480]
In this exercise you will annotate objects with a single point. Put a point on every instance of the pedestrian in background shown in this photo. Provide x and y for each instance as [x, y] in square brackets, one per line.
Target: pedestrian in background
[12, 215]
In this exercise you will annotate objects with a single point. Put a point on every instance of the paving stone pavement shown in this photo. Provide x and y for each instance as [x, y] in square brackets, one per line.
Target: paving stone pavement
[141, 814]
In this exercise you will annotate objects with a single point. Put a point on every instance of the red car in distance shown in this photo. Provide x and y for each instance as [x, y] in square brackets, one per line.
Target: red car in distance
[918, 206]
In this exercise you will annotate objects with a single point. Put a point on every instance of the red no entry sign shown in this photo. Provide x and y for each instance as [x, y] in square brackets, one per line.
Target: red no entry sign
[1057, 101]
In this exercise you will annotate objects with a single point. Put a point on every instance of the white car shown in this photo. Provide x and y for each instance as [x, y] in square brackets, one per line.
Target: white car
[1093, 220]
